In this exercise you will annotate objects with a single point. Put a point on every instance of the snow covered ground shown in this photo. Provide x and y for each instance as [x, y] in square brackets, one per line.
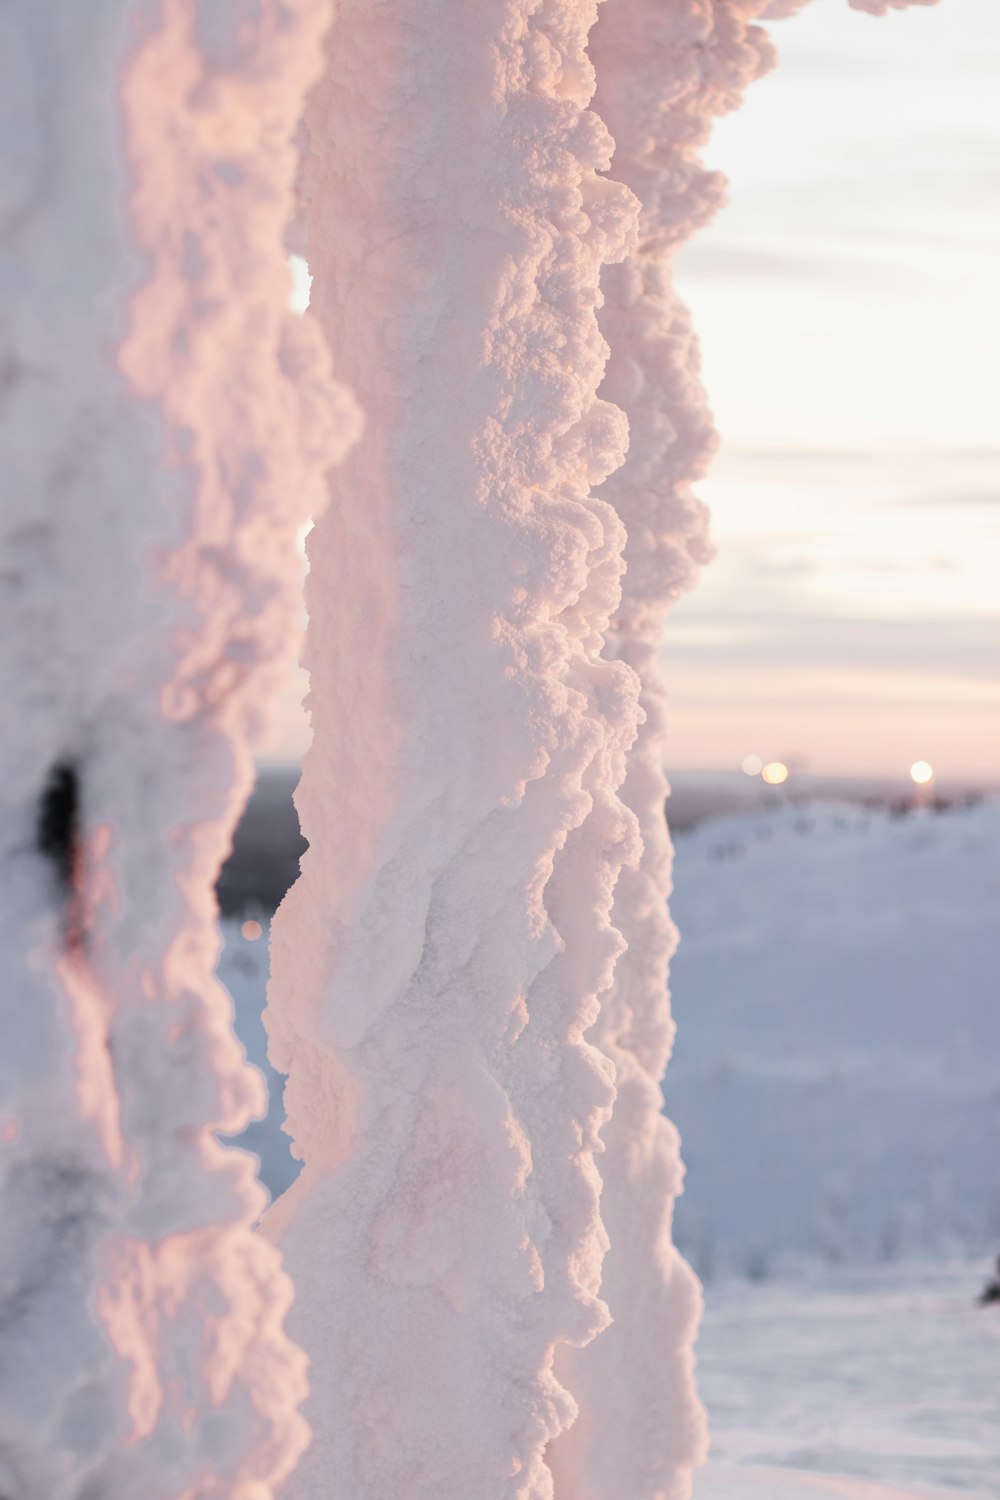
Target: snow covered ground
[886, 1378]
[836, 1075]
[837, 1082]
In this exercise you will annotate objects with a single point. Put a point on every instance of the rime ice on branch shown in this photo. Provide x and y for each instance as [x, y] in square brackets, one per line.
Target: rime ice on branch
[148, 598]
[436, 965]
[664, 71]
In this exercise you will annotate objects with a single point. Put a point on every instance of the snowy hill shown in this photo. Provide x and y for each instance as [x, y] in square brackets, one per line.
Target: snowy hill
[836, 1076]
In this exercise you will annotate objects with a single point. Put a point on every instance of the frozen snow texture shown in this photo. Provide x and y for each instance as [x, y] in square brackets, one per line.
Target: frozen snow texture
[664, 72]
[148, 598]
[436, 965]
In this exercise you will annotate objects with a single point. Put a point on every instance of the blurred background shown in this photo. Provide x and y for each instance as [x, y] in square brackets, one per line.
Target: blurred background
[850, 327]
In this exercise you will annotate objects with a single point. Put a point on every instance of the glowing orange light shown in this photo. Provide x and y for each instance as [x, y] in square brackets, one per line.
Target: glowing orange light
[922, 772]
[252, 931]
[775, 772]
[752, 765]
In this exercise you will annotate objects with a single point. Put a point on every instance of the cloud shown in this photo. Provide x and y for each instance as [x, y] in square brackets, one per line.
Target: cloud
[964, 648]
[796, 462]
[798, 565]
[910, 476]
[734, 261]
[929, 499]
[872, 263]
[898, 565]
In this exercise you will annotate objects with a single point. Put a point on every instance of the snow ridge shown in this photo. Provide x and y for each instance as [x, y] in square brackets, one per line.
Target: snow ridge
[148, 599]
[436, 965]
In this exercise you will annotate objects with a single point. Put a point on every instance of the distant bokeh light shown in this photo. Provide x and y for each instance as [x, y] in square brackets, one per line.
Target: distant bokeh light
[775, 772]
[922, 772]
[252, 930]
[752, 765]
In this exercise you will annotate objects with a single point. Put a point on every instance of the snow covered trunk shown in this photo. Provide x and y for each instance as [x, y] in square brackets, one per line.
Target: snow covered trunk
[436, 965]
[163, 425]
[664, 72]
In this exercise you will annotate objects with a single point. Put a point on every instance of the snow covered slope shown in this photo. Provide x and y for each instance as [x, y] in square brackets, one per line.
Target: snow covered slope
[788, 1484]
[836, 1077]
[861, 1384]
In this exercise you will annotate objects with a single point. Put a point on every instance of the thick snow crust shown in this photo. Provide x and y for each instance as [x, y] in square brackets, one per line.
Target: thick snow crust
[439, 961]
[437, 964]
[147, 601]
[664, 72]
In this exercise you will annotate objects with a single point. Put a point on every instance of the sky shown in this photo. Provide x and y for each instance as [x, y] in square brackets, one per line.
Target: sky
[847, 305]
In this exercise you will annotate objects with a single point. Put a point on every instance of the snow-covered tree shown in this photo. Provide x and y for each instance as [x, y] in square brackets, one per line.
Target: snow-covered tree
[436, 966]
[164, 422]
[478, 684]
[665, 70]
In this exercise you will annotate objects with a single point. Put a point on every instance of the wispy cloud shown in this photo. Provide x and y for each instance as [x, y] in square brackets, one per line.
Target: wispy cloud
[966, 648]
[846, 303]
[891, 475]
[949, 499]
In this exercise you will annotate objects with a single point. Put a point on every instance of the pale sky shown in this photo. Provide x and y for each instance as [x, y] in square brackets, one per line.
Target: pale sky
[850, 323]
[848, 311]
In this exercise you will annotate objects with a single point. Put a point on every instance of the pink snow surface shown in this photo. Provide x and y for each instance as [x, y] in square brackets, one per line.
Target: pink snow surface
[438, 962]
[149, 601]
[664, 73]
